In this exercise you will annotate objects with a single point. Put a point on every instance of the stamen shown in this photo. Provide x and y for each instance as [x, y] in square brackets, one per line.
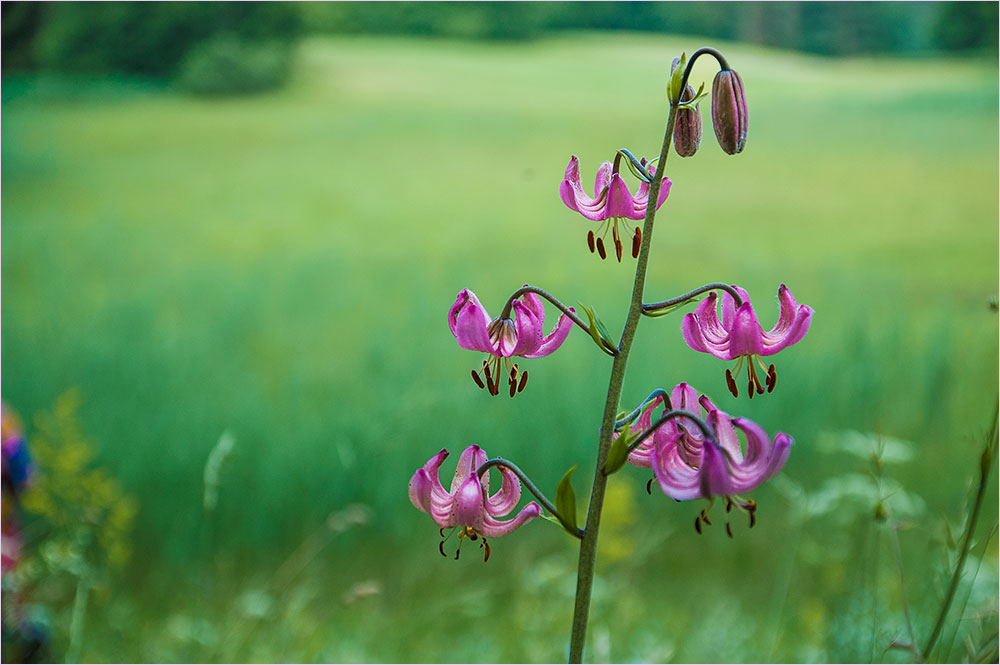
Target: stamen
[729, 505]
[475, 377]
[457, 552]
[636, 242]
[441, 531]
[704, 517]
[600, 248]
[524, 381]
[473, 536]
[618, 241]
[649, 486]
[441, 549]
[513, 373]
[513, 387]
[750, 387]
[486, 545]
[731, 384]
[697, 525]
[590, 240]
[729, 530]
[753, 518]
[772, 378]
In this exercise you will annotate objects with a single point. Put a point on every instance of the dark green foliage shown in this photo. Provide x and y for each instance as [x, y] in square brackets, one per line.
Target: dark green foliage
[228, 65]
[967, 25]
[150, 38]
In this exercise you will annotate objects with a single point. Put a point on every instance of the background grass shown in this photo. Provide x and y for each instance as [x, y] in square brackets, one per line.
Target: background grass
[281, 266]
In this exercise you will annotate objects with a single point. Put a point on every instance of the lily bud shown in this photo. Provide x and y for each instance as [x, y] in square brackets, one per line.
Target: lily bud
[729, 111]
[687, 125]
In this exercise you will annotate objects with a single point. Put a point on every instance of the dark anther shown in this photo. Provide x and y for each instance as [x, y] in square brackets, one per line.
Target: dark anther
[489, 376]
[474, 536]
[457, 552]
[772, 378]
[441, 531]
[753, 518]
[705, 519]
[513, 387]
[649, 486]
[486, 547]
[475, 377]
[524, 382]
[513, 373]
[729, 530]
[441, 548]
[697, 524]
[729, 505]
[590, 240]
[636, 242]
[618, 241]
[731, 383]
[600, 248]
[750, 386]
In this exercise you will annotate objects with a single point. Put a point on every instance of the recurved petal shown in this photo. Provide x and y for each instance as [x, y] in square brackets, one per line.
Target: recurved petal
[493, 528]
[554, 339]
[729, 305]
[471, 459]
[507, 497]
[745, 337]
[425, 480]
[714, 474]
[572, 194]
[693, 330]
[620, 201]
[468, 510]
[676, 479]
[471, 327]
[781, 336]
[528, 325]
[683, 396]
[602, 179]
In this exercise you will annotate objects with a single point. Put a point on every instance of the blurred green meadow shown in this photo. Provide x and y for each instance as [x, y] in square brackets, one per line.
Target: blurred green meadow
[280, 267]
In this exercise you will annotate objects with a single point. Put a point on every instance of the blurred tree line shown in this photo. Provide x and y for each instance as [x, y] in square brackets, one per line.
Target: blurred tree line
[224, 47]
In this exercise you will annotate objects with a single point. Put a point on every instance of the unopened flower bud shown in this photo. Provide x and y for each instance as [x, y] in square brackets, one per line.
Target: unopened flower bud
[729, 111]
[687, 126]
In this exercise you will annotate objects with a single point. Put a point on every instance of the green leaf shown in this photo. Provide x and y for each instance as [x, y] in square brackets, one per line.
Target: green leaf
[566, 503]
[619, 452]
[674, 88]
[599, 332]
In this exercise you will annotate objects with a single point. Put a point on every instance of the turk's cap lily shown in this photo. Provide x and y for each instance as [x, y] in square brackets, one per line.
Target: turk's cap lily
[612, 198]
[522, 336]
[469, 504]
[739, 333]
[688, 466]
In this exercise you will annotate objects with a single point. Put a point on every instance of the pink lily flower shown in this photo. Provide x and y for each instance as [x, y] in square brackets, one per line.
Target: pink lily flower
[687, 466]
[469, 507]
[739, 335]
[504, 338]
[612, 203]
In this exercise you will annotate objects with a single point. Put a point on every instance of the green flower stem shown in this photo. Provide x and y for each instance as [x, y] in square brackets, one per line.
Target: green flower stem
[627, 420]
[588, 546]
[673, 302]
[548, 505]
[986, 464]
[548, 296]
[676, 413]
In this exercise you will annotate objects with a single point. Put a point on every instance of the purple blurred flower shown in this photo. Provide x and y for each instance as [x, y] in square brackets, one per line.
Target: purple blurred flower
[612, 203]
[469, 506]
[739, 335]
[505, 338]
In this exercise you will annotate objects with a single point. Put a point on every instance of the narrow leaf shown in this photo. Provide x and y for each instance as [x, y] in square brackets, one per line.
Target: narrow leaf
[566, 503]
[618, 453]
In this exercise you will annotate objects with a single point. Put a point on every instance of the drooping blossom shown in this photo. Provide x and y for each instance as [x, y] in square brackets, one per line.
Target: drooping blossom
[611, 204]
[687, 465]
[468, 506]
[503, 339]
[739, 336]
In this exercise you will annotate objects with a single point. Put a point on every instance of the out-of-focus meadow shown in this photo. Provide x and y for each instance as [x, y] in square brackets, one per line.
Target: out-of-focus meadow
[271, 275]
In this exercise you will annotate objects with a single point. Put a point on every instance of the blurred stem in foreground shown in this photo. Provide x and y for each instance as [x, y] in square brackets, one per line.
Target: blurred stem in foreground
[986, 462]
